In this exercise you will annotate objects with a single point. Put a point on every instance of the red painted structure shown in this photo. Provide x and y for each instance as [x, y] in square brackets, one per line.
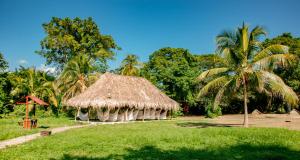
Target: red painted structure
[27, 121]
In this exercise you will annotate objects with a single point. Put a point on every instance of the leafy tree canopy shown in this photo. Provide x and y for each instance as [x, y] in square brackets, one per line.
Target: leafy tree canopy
[66, 38]
[173, 70]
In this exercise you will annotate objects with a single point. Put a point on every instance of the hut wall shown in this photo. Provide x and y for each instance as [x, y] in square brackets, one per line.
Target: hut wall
[121, 116]
[163, 114]
[152, 113]
[82, 116]
[140, 115]
[157, 114]
[147, 114]
[135, 114]
[130, 114]
[103, 115]
[113, 115]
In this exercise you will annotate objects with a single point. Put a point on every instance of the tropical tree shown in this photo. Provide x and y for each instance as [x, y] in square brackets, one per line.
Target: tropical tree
[34, 83]
[66, 38]
[248, 66]
[5, 86]
[130, 66]
[173, 70]
[77, 76]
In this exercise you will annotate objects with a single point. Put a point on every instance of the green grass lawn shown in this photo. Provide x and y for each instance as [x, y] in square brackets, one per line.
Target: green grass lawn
[162, 140]
[9, 127]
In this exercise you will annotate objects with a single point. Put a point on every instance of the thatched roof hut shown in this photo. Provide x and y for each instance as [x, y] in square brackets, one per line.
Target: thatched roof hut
[117, 91]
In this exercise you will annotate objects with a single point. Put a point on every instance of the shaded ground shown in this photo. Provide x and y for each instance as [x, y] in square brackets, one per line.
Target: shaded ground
[236, 120]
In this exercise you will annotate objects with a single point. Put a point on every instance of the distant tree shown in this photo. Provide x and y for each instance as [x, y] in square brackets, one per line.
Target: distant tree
[130, 66]
[248, 67]
[5, 86]
[3, 63]
[66, 38]
[173, 70]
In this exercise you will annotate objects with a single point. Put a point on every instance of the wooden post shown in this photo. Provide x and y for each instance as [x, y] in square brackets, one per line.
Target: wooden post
[76, 114]
[26, 123]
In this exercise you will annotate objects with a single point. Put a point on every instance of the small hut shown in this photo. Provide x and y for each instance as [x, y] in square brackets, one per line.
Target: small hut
[122, 98]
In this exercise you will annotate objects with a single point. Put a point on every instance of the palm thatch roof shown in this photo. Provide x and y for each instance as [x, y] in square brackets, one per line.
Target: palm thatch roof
[116, 91]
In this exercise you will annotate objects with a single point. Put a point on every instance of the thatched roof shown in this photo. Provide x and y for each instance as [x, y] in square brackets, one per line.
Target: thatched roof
[113, 90]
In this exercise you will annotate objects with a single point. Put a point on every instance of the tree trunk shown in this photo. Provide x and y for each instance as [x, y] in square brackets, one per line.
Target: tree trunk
[245, 103]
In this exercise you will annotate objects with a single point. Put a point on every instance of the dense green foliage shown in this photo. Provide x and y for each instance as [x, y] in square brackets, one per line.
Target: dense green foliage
[66, 38]
[173, 70]
[162, 140]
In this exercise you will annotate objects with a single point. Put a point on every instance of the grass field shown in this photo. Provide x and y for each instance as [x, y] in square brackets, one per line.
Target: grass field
[9, 127]
[162, 140]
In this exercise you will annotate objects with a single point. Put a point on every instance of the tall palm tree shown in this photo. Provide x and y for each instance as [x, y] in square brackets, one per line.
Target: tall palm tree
[248, 66]
[76, 76]
[130, 66]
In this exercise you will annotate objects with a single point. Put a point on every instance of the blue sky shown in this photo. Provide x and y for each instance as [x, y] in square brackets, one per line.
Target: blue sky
[141, 26]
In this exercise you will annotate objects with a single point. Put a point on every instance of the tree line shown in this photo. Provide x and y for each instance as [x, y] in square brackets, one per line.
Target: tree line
[243, 74]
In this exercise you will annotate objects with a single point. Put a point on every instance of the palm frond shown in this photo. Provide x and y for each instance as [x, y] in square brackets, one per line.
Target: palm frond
[276, 85]
[220, 93]
[274, 61]
[256, 32]
[211, 72]
[271, 50]
[212, 85]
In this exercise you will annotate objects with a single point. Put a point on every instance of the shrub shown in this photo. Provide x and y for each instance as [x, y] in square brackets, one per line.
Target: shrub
[213, 112]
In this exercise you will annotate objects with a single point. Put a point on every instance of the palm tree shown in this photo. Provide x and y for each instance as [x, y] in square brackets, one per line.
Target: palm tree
[248, 66]
[34, 83]
[76, 76]
[130, 66]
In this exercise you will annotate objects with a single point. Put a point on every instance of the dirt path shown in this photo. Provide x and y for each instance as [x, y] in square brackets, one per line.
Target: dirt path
[23, 139]
[262, 120]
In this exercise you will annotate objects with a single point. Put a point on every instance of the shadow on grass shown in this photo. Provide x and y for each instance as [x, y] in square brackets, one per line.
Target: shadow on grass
[43, 127]
[205, 125]
[247, 152]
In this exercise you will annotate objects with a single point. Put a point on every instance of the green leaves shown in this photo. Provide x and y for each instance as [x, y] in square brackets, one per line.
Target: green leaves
[76, 76]
[67, 38]
[271, 50]
[173, 70]
[130, 66]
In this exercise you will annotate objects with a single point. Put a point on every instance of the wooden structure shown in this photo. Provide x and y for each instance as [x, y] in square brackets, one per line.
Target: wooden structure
[27, 122]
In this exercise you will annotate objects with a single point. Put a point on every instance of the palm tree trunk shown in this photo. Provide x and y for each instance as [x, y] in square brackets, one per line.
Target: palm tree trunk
[245, 103]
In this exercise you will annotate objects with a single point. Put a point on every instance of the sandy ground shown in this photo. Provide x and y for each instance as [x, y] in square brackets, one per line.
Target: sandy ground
[236, 120]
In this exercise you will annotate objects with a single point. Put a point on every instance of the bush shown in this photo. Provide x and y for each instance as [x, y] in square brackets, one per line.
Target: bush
[177, 113]
[213, 112]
